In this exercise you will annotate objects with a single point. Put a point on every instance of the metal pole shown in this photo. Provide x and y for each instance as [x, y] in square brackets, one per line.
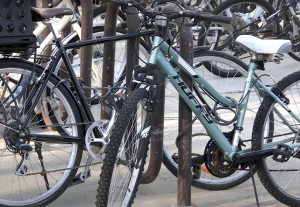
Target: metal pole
[86, 51]
[132, 43]
[185, 114]
[157, 128]
[109, 53]
[185, 117]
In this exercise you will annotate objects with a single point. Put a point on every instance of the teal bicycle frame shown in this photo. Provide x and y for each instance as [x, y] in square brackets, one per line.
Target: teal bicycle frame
[158, 57]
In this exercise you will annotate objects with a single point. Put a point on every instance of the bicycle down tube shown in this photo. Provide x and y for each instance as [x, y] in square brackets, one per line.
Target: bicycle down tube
[162, 49]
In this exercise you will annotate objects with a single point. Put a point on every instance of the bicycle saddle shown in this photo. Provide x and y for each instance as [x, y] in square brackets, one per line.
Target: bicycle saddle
[40, 14]
[264, 46]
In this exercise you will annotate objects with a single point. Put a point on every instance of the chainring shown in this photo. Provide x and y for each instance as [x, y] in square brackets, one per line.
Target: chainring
[215, 162]
[95, 148]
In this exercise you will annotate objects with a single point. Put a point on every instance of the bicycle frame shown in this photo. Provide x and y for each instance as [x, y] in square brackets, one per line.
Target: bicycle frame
[158, 57]
[61, 53]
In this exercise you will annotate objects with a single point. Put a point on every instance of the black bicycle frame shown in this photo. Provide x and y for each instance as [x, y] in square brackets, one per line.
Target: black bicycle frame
[85, 107]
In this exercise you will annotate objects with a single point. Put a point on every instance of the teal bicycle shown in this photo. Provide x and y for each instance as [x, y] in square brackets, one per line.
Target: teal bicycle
[275, 140]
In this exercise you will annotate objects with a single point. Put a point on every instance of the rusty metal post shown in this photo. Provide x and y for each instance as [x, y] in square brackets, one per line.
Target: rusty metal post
[109, 53]
[157, 128]
[185, 115]
[133, 43]
[86, 51]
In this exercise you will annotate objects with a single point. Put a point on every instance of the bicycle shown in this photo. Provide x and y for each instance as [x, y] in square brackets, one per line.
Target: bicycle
[58, 152]
[28, 90]
[253, 17]
[211, 60]
[126, 153]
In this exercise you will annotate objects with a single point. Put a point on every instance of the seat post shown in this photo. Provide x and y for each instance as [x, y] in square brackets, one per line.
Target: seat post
[49, 22]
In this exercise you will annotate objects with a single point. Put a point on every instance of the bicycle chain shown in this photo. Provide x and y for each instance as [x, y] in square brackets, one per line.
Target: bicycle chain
[62, 169]
[55, 125]
[84, 123]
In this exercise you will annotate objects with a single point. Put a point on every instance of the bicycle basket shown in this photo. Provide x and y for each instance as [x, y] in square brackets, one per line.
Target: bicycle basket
[16, 27]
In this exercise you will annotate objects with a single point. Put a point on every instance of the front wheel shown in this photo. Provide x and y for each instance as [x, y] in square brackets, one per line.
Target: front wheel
[281, 179]
[125, 154]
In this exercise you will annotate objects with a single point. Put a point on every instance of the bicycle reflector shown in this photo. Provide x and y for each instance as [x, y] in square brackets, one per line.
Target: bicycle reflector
[16, 27]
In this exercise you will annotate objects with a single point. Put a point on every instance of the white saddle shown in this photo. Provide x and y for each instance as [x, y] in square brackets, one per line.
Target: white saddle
[264, 46]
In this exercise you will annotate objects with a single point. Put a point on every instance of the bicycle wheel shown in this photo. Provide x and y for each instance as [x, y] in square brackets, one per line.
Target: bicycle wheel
[125, 155]
[232, 87]
[245, 12]
[44, 176]
[280, 178]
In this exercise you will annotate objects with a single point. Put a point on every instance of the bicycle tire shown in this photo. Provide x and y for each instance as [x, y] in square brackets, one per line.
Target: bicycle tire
[105, 186]
[30, 190]
[232, 88]
[277, 177]
[227, 43]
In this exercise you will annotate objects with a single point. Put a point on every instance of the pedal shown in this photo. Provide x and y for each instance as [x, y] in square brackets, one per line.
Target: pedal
[77, 180]
[282, 153]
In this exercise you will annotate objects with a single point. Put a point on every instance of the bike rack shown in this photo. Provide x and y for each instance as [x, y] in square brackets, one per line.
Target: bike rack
[109, 53]
[86, 51]
[185, 114]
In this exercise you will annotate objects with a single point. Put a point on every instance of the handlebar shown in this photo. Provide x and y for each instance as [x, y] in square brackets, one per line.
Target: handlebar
[199, 16]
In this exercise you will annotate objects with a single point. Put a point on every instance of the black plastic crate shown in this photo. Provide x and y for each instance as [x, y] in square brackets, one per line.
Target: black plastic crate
[16, 27]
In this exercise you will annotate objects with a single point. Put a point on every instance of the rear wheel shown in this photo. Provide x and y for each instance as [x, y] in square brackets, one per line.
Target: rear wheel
[47, 174]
